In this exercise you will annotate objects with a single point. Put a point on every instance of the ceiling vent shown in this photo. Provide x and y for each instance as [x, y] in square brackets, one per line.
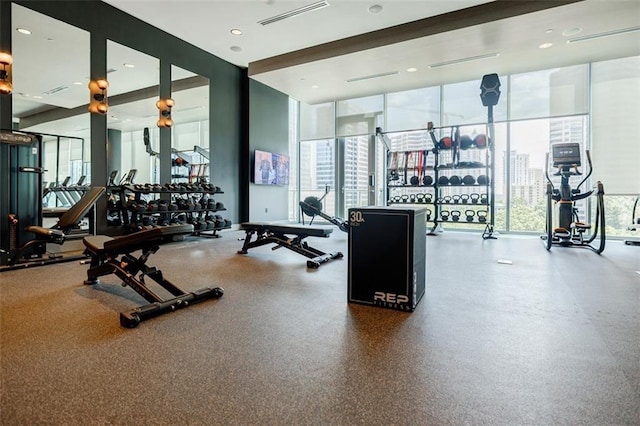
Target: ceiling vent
[56, 90]
[367, 77]
[295, 12]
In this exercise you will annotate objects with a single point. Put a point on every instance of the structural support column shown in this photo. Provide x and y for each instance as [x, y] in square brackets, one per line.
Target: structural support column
[99, 155]
[165, 132]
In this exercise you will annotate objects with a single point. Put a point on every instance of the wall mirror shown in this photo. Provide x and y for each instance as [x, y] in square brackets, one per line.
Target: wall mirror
[131, 120]
[190, 134]
[50, 77]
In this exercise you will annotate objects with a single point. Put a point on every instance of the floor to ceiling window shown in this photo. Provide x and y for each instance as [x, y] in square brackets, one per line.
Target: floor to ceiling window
[590, 104]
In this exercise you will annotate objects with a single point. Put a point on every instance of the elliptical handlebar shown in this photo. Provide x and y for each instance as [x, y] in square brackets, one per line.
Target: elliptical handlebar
[590, 170]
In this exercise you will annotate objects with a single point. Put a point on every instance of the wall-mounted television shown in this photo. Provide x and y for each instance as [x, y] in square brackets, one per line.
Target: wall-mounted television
[270, 168]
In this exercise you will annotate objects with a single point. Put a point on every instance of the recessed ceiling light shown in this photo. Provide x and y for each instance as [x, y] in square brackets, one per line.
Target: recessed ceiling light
[376, 8]
[77, 83]
[545, 45]
[236, 48]
[23, 31]
[37, 97]
[128, 65]
[549, 31]
[315, 86]
[236, 31]
[572, 31]
[412, 69]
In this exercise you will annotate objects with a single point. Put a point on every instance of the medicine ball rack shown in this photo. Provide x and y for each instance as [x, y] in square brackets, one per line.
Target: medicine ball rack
[139, 206]
[454, 178]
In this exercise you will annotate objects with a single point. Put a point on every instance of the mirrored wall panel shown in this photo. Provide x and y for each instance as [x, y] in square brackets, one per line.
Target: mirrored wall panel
[131, 120]
[190, 157]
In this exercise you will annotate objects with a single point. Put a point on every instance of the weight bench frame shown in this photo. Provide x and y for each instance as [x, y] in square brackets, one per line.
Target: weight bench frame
[278, 234]
[31, 253]
[105, 251]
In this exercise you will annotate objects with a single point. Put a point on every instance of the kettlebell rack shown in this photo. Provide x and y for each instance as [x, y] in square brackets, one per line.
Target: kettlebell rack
[453, 177]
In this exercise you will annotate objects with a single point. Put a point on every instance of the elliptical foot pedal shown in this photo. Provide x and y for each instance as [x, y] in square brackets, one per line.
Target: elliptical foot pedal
[561, 233]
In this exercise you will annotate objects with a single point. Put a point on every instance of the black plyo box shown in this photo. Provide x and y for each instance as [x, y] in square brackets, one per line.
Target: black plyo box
[387, 256]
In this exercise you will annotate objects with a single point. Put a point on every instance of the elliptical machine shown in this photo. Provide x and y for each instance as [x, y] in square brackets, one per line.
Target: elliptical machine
[571, 232]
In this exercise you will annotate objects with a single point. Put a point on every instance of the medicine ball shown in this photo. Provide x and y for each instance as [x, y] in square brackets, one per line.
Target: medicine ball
[443, 180]
[445, 143]
[483, 180]
[455, 180]
[414, 180]
[427, 180]
[480, 140]
[468, 180]
[466, 142]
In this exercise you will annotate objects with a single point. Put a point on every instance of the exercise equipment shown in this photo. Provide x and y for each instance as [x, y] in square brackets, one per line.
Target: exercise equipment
[635, 224]
[465, 142]
[571, 232]
[455, 180]
[32, 252]
[468, 180]
[455, 215]
[470, 215]
[483, 180]
[289, 237]
[114, 256]
[427, 180]
[312, 207]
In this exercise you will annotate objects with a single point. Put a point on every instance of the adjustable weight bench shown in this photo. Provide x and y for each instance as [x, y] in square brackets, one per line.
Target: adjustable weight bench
[279, 235]
[30, 253]
[114, 256]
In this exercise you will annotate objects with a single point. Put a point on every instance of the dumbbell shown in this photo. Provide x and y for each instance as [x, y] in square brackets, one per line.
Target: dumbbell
[404, 198]
[446, 199]
[412, 198]
[428, 198]
[444, 215]
[470, 214]
[455, 199]
[420, 198]
[464, 198]
[455, 215]
[484, 199]
[474, 198]
[482, 215]
[428, 214]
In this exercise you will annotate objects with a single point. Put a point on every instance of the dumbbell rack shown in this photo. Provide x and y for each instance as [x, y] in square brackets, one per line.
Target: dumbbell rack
[142, 205]
[452, 194]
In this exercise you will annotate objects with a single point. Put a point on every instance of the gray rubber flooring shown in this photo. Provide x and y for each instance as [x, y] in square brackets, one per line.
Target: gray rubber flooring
[551, 339]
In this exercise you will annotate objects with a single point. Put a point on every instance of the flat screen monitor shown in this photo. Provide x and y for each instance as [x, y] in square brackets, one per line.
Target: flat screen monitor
[270, 168]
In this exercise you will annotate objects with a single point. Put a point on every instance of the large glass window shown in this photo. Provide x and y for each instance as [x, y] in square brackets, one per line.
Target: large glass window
[412, 109]
[356, 172]
[317, 177]
[317, 121]
[615, 109]
[549, 93]
[461, 103]
[293, 160]
[359, 116]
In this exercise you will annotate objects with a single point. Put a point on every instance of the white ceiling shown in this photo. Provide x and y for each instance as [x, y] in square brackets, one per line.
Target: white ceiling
[207, 25]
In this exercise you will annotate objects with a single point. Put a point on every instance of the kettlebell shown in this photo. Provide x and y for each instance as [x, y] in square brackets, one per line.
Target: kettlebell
[470, 214]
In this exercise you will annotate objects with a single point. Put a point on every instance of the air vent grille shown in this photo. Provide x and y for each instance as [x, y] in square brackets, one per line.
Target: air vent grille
[55, 90]
[295, 12]
[367, 77]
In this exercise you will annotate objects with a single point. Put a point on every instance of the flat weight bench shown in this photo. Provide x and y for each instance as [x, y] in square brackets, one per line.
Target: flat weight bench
[105, 251]
[279, 235]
